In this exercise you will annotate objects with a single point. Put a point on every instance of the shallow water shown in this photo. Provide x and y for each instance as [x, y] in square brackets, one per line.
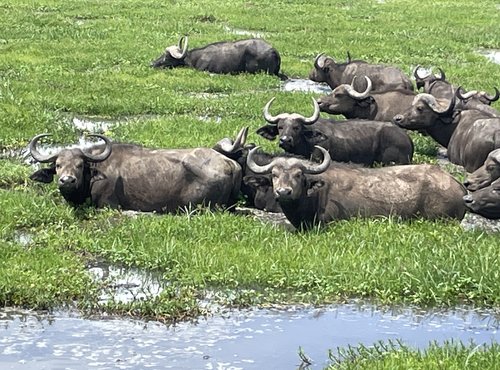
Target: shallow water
[493, 55]
[245, 339]
[304, 85]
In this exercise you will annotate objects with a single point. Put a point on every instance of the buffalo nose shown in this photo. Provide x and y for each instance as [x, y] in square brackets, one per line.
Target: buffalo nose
[285, 140]
[466, 183]
[66, 180]
[468, 198]
[282, 192]
[398, 118]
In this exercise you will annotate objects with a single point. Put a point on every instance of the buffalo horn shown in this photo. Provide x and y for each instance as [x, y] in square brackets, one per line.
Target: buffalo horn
[227, 146]
[315, 169]
[465, 96]
[416, 74]
[179, 53]
[254, 166]
[359, 95]
[492, 98]
[315, 115]
[105, 153]
[348, 60]
[442, 77]
[319, 61]
[267, 116]
[36, 154]
[495, 155]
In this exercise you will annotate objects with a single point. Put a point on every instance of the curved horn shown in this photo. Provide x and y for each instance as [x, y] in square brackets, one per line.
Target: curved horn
[105, 153]
[267, 116]
[317, 63]
[176, 51]
[315, 169]
[227, 145]
[315, 115]
[359, 95]
[495, 155]
[467, 95]
[442, 77]
[417, 76]
[255, 167]
[36, 154]
[492, 98]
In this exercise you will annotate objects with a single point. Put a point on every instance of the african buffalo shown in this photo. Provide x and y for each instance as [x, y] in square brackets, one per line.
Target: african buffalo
[334, 74]
[437, 86]
[252, 56]
[132, 177]
[358, 141]
[372, 105]
[469, 135]
[311, 193]
[485, 201]
[486, 174]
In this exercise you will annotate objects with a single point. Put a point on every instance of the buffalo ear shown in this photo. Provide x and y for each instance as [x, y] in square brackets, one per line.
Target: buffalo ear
[268, 132]
[45, 175]
[314, 186]
[315, 136]
[256, 182]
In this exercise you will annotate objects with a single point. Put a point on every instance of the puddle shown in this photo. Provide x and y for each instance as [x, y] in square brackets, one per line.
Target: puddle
[94, 126]
[304, 85]
[123, 285]
[475, 222]
[238, 31]
[23, 238]
[493, 55]
[206, 118]
[246, 339]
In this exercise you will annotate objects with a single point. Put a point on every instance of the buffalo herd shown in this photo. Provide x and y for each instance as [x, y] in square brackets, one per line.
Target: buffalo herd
[329, 169]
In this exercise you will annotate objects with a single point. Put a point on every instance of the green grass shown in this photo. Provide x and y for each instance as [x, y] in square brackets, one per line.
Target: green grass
[91, 58]
[391, 355]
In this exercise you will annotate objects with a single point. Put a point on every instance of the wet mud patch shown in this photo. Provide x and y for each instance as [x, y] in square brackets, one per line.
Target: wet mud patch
[304, 85]
[240, 339]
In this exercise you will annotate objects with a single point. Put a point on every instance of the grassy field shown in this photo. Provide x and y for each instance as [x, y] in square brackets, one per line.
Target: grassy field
[69, 59]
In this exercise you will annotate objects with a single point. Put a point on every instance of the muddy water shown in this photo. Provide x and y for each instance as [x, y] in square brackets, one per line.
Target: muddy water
[493, 55]
[247, 339]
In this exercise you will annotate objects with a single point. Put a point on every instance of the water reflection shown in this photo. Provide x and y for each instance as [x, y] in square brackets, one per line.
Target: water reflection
[296, 84]
[246, 339]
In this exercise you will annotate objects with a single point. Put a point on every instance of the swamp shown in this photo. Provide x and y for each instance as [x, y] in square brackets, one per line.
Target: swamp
[82, 287]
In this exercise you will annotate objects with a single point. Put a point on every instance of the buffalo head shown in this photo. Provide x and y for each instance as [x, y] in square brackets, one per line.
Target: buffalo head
[173, 56]
[486, 174]
[344, 98]
[424, 112]
[424, 79]
[486, 201]
[290, 127]
[288, 174]
[72, 166]
[480, 96]
[323, 66]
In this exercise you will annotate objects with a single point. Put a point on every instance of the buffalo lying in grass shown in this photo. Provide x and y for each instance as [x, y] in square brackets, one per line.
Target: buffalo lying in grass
[372, 105]
[132, 177]
[311, 193]
[358, 141]
[469, 135]
[251, 56]
[384, 78]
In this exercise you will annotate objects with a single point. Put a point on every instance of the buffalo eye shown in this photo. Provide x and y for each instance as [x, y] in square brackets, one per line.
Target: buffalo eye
[490, 168]
[420, 108]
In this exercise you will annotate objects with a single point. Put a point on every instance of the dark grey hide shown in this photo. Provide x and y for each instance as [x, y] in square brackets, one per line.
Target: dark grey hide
[469, 135]
[486, 174]
[311, 193]
[227, 57]
[334, 74]
[372, 105]
[485, 201]
[132, 177]
[359, 141]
